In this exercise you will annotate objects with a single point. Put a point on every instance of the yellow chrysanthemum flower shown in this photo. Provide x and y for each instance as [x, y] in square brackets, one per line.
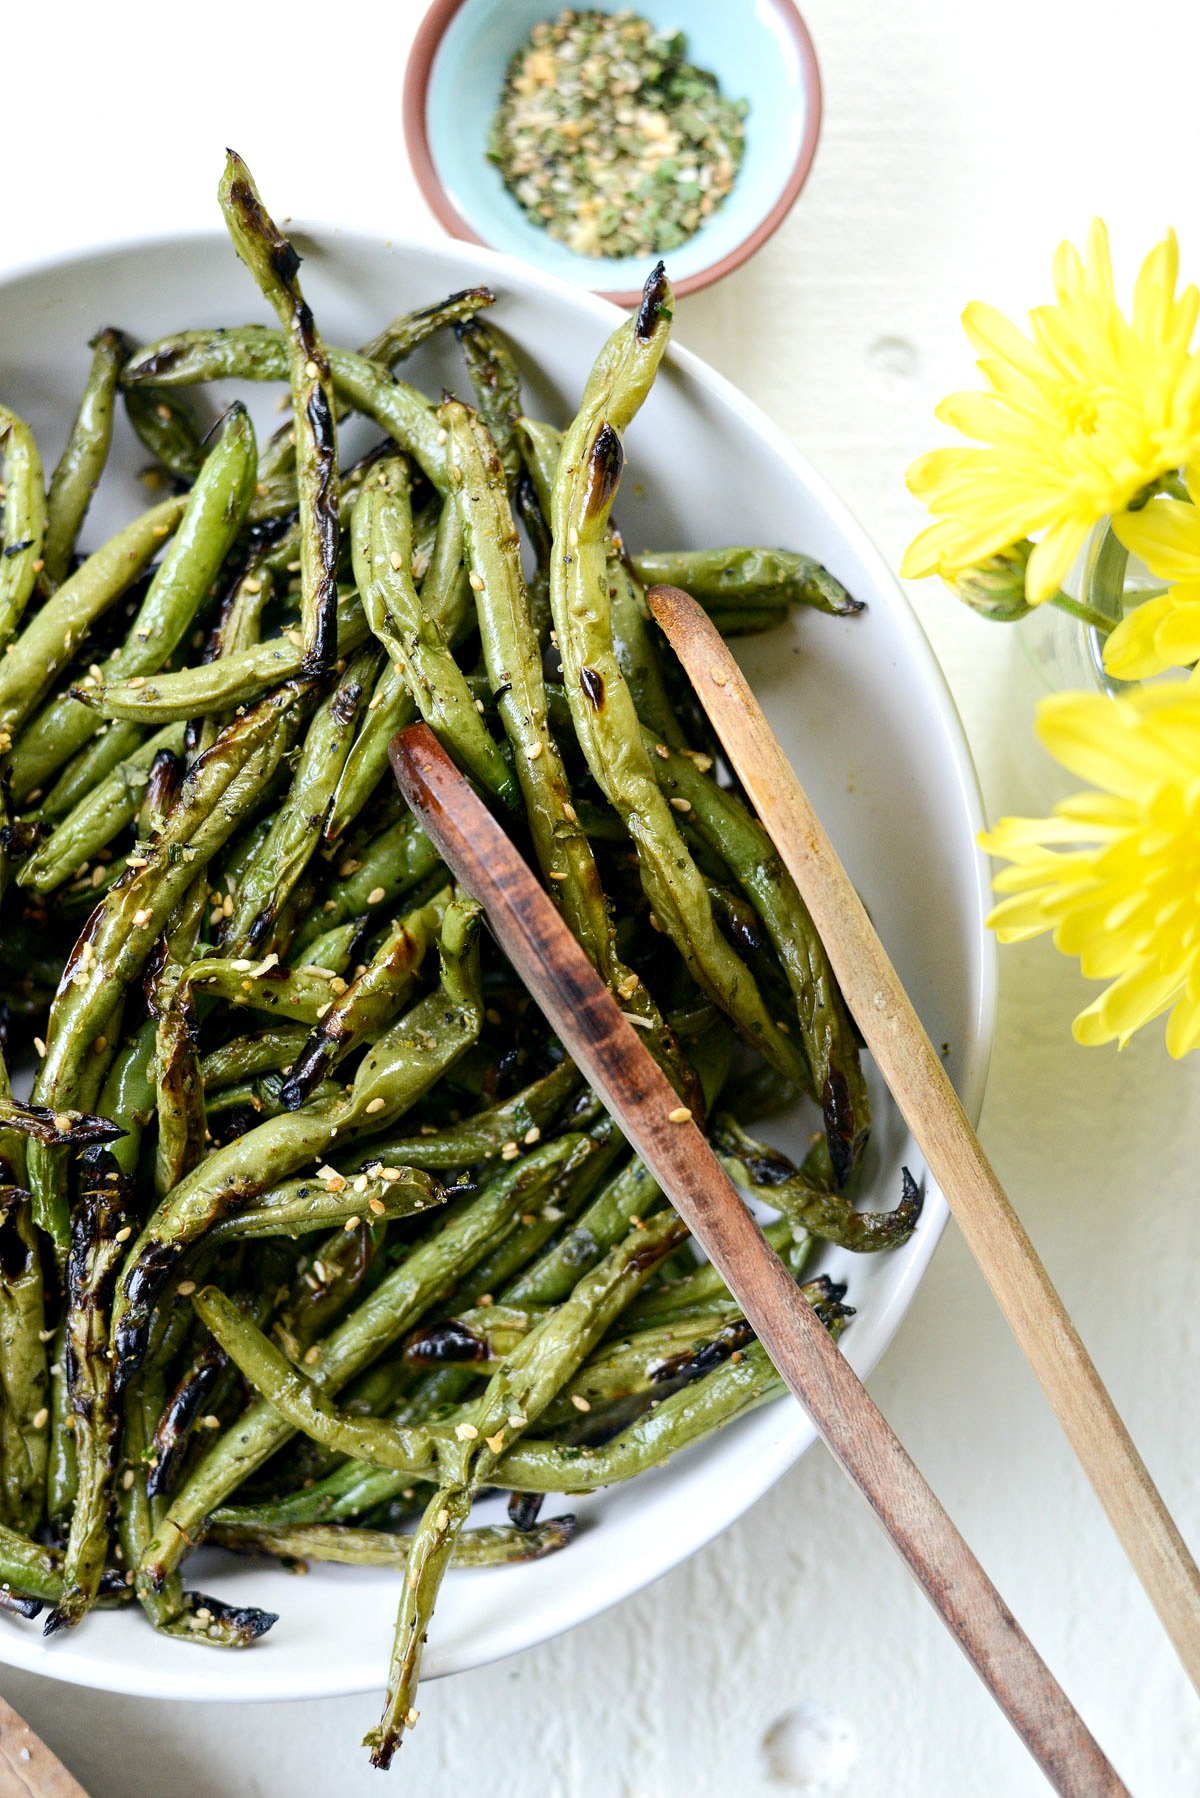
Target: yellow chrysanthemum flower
[1078, 419]
[1164, 632]
[1115, 873]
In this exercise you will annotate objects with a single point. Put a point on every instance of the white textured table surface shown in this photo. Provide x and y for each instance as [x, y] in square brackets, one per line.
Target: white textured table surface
[960, 143]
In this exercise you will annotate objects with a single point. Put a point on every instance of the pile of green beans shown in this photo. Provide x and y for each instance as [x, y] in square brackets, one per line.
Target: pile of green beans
[310, 1232]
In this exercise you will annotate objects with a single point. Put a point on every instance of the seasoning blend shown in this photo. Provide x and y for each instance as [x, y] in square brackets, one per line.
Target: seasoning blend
[610, 139]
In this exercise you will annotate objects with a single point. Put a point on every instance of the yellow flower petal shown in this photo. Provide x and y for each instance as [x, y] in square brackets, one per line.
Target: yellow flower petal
[1075, 419]
[1114, 874]
[1166, 535]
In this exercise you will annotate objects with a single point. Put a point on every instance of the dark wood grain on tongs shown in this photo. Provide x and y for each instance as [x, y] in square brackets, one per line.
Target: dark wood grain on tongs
[612, 1057]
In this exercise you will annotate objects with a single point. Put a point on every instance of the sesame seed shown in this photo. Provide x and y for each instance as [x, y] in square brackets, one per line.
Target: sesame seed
[360, 1184]
[535, 749]
[374, 1105]
[496, 1442]
[532, 1134]
[127, 1478]
[377, 1206]
[396, 560]
[476, 581]
[390, 1174]
[510, 1151]
[351, 1224]
[479, 707]
[311, 370]
[681, 805]
[40, 1046]
[485, 1299]
[680, 1115]
[442, 1520]
[142, 916]
[375, 895]
[660, 749]
[375, 700]
[211, 1421]
[410, 1717]
[556, 874]
[517, 1420]
[312, 1355]
[466, 1432]
[40, 1418]
[579, 1403]
[185, 1288]
[569, 812]
[124, 1233]
[136, 680]
[719, 677]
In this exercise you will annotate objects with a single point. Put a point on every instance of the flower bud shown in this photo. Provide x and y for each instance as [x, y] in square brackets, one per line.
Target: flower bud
[995, 587]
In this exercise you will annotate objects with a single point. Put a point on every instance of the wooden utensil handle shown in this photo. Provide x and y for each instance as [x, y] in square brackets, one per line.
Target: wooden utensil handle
[634, 1089]
[917, 1080]
[27, 1767]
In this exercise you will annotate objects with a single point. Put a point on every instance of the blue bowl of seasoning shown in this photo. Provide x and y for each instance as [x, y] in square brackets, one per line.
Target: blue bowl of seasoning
[760, 53]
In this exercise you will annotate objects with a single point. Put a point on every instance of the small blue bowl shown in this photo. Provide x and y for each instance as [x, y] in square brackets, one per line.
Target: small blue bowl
[759, 50]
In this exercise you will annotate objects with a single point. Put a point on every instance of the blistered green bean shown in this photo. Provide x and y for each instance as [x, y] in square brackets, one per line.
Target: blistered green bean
[77, 474]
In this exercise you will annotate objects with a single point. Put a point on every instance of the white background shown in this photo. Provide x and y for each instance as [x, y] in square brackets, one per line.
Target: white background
[961, 141]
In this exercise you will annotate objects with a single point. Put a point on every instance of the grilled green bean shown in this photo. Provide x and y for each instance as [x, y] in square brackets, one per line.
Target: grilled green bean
[365, 1007]
[253, 353]
[24, 1378]
[393, 1075]
[99, 816]
[836, 1077]
[168, 430]
[773, 1178]
[605, 719]
[328, 1199]
[215, 511]
[381, 535]
[122, 930]
[245, 1056]
[296, 828]
[737, 580]
[274, 264]
[497, 385]
[427, 1275]
[81, 464]
[446, 598]
[222, 685]
[490, 1545]
[98, 1230]
[393, 344]
[24, 521]
[507, 1126]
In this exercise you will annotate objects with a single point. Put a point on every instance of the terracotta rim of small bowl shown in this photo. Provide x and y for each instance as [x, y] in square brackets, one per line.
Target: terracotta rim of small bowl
[416, 136]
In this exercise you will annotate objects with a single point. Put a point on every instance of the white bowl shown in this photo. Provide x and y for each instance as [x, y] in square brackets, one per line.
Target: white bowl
[863, 712]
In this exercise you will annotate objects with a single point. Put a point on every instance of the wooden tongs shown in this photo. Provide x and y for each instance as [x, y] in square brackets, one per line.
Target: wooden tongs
[615, 1061]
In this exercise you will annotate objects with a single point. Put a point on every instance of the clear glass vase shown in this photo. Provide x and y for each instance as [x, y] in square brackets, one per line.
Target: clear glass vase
[1055, 651]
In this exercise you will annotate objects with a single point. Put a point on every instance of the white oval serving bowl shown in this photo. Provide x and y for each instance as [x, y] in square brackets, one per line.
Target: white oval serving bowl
[863, 712]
